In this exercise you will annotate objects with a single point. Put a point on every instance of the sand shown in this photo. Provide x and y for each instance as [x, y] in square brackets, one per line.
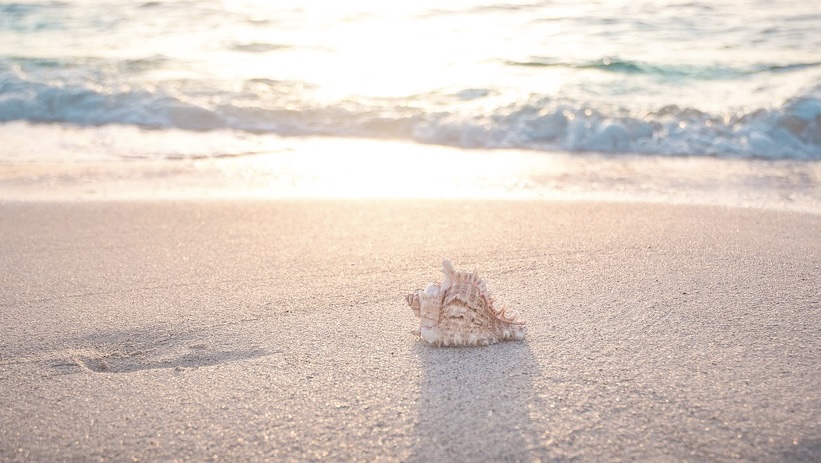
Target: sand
[277, 331]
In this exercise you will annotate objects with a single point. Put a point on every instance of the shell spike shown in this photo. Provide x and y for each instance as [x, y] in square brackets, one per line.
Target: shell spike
[447, 268]
[450, 275]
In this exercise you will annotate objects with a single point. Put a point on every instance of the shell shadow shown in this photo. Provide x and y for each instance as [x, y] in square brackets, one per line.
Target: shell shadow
[805, 451]
[475, 404]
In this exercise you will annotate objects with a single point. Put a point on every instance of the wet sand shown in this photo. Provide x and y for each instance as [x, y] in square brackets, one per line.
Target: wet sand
[237, 330]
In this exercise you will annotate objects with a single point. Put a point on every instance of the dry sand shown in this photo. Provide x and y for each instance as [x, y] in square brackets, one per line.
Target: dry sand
[277, 331]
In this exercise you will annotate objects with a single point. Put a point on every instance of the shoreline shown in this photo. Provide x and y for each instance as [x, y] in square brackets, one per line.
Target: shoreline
[389, 170]
[269, 330]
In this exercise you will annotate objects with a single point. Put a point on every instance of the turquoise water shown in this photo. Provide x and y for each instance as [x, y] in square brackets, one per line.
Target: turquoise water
[650, 77]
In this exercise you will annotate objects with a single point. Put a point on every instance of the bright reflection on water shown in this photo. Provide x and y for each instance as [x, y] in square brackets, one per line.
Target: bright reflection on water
[653, 77]
[331, 51]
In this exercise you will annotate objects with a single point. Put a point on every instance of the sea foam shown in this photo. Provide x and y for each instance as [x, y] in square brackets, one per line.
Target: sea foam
[791, 130]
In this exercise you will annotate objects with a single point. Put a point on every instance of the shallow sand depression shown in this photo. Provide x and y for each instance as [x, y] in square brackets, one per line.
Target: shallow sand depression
[278, 330]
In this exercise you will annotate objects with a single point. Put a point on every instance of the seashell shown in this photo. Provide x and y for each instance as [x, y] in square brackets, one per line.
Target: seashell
[461, 311]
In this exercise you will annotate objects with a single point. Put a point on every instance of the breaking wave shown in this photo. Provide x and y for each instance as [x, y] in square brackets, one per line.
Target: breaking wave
[705, 72]
[791, 130]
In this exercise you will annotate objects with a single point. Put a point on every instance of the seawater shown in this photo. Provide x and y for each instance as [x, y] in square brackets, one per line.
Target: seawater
[735, 79]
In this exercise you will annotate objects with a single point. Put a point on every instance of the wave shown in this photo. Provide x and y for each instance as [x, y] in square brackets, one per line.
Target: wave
[706, 72]
[27, 17]
[258, 47]
[792, 130]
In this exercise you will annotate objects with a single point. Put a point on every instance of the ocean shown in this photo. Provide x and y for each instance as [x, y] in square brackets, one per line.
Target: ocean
[106, 80]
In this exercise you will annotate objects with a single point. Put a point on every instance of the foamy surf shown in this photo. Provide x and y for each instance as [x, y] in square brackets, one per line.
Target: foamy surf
[791, 130]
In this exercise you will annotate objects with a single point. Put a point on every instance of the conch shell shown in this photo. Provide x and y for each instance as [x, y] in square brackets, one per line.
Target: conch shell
[461, 312]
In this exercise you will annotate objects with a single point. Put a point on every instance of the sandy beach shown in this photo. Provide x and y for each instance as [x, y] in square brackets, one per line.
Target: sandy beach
[211, 214]
[277, 331]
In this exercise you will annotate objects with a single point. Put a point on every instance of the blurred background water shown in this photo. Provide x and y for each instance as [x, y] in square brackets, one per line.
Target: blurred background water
[210, 78]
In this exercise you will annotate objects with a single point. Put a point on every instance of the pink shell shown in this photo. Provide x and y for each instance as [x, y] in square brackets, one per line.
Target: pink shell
[461, 311]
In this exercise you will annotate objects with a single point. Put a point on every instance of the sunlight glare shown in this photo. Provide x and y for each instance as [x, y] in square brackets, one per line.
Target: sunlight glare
[345, 168]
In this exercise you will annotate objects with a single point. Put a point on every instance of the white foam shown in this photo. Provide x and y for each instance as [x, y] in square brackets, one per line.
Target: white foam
[792, 130]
